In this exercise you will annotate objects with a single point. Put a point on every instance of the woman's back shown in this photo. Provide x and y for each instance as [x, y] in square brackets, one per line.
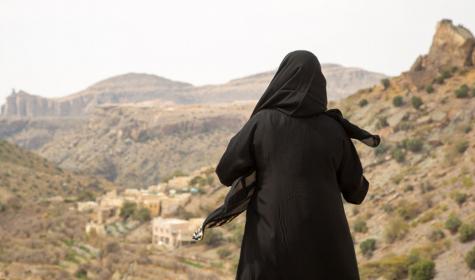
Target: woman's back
[295, 224]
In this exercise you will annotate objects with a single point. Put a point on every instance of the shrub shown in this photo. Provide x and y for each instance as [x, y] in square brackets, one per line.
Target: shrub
[143, 215]
[416, 102]
[473, 92]
[398, 155]
[388, 208]
[422, 270]
[360, 226]
[466, 233]
[81, 273]
[213, 238]
[389, 267]
[461, 146]
[396, 229]
[386, 83]
[453, 223]
[436, 235]
[381, 149]
[446, 74]
[398, 101]
[128, 209]
[459, 197]
[462, 91]
[363, 102]
[429, 89]
[470, 258]
[408, 210]
[439, 80]
[382, 122]
[224, 253]
[413, 145]
[367, 247]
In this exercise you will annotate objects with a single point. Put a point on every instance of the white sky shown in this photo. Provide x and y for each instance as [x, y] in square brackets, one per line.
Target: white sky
[54, 48]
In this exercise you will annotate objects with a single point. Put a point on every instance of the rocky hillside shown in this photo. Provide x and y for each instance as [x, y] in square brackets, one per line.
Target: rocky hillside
[137, 146]
[42, 234]
[133, 87]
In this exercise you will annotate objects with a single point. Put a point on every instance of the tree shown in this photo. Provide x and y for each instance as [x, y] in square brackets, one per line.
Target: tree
[416, 102]
[128, 209]
[143, 215]
[398, 101]
[386, 83]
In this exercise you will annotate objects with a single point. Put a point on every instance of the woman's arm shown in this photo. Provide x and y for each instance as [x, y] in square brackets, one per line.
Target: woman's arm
[353, 184]
[238, 159]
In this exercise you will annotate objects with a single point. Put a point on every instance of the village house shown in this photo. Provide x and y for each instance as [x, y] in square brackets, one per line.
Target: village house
[173, 233]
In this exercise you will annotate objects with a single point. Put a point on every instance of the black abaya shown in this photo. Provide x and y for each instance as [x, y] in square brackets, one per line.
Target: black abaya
[296, 226]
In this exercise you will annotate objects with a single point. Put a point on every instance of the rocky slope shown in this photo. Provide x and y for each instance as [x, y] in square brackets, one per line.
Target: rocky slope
[134, 87]
[140, 145]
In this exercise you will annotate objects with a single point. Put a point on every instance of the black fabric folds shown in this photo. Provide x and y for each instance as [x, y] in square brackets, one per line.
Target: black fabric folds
[289, 166]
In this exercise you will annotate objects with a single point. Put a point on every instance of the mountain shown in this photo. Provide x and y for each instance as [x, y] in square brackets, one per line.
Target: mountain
[135, 87]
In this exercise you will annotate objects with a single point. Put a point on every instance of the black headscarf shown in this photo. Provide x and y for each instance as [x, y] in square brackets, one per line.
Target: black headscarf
[298, 88]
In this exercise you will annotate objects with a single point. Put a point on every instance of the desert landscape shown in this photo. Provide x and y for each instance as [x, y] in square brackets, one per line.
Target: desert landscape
[110, 182]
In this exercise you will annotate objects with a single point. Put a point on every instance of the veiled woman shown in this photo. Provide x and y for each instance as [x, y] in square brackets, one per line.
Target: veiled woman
[296, 226]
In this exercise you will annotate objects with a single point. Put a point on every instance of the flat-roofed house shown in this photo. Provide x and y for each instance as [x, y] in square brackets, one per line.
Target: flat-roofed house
[173, 233]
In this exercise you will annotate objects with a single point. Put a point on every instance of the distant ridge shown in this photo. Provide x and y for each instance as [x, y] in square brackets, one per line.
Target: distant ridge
[139, 87]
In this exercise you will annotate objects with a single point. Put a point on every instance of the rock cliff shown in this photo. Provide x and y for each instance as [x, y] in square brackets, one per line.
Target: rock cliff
[452, 46]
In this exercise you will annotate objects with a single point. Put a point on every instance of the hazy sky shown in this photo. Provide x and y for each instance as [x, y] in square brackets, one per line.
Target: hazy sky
[54, 48]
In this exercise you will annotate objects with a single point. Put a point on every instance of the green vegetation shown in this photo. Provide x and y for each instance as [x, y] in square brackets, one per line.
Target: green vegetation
[416, 102]
[81, 273]
[213, 238]
[473, 92]
[386, 83]
[142, 215]
[382, 122]
[436, 235]
[408, 210]
[396, 229]
[459, 197]
[470, 258]
[439, 80]
[128, 209]
[466, 233]
[422, 270]
[360, 226]
[367, 247]
[363, 102]
[429, 89]
[398, 101]
[453, 223]
[461, 146]
[462, 91]
[413, 145]
[131, 210]
[398, 154]
[388, 267]
[224, 253]
[381, 149]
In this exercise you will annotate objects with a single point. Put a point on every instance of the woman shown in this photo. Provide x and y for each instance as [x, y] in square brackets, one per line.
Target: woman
[296, 226]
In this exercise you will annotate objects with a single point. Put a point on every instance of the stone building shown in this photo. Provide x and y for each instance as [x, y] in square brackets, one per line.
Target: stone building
[173, 233]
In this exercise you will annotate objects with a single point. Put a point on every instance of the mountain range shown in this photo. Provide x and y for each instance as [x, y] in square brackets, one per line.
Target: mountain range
[138, 87]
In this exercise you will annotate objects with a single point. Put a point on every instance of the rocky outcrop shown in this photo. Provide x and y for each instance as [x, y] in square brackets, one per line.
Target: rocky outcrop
[126, 88]
[23, 104]
[452, 46]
